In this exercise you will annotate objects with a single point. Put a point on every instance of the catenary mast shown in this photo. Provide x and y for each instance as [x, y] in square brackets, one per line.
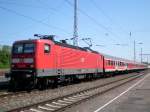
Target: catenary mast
[75, 33]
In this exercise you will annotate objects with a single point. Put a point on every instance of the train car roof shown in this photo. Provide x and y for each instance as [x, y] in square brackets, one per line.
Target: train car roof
[119, 59]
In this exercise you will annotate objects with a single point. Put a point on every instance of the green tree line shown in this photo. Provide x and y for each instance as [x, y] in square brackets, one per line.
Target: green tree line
[5, 54]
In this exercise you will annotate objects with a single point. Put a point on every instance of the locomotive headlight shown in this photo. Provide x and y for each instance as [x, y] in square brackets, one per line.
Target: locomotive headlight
[15, 60]
[31, 65]
[12, 65]
[28, 60]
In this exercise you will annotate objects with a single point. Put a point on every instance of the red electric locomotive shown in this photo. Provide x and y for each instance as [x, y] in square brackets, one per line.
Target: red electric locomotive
[43, 61]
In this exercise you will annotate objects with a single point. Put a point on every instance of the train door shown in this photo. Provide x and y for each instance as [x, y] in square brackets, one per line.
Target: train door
[126, 66]
[103, 65]
[43, 59]
[116, 65]
[58, 60]
[47, 50]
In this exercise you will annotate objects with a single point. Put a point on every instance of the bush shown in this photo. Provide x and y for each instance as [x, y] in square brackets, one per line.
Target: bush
[4, 59]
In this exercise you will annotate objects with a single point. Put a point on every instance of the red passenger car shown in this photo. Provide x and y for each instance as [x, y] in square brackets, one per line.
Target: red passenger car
[119, 65]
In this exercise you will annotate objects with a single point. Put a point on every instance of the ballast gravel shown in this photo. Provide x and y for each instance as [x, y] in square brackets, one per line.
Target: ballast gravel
[34, 97]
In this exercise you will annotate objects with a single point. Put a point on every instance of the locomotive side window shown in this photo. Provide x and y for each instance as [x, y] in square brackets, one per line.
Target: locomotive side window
[46, 48]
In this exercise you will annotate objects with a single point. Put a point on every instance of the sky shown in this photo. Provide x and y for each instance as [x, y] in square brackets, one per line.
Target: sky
[106, 22]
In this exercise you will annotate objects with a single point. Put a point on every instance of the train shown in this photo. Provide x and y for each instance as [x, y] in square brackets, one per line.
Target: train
[43, 61]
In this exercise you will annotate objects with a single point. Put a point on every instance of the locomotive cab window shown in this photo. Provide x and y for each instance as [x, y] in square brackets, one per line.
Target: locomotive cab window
[29, 48]
[46, 48]
[18, 48]
[23, 48]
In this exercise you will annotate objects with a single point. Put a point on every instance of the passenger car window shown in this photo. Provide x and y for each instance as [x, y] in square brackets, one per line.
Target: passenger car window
[46, 48]
[109, 62]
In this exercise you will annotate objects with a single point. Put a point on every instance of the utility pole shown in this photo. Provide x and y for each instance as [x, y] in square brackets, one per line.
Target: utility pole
[141, 55]
[145, 55]
[75, 34]
[134, 50]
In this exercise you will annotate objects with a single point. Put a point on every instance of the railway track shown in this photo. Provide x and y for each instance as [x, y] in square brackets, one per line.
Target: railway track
[60, 103]
[5, 93]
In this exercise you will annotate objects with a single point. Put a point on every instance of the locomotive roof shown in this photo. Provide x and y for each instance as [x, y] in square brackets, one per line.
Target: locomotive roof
[116, 58]
[75, 47]
[22, 41]
[60, 44]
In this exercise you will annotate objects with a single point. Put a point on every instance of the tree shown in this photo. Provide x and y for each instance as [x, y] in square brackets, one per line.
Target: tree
[5, 57]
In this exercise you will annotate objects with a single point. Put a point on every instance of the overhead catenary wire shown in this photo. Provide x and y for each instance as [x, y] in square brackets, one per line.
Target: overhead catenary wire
[107, 16]
[41, 5]
[110, 19]
[27, 5]
[95, 21]
[60, 29]
[47, 6]
[52, 11]
[32, 19]
[27, 27]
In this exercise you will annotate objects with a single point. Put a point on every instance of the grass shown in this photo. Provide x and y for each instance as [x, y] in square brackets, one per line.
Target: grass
[4, 66]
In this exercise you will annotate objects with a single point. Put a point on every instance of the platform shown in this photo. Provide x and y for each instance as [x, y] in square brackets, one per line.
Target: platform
[133, 99]
[130, 97]
[138, 99]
